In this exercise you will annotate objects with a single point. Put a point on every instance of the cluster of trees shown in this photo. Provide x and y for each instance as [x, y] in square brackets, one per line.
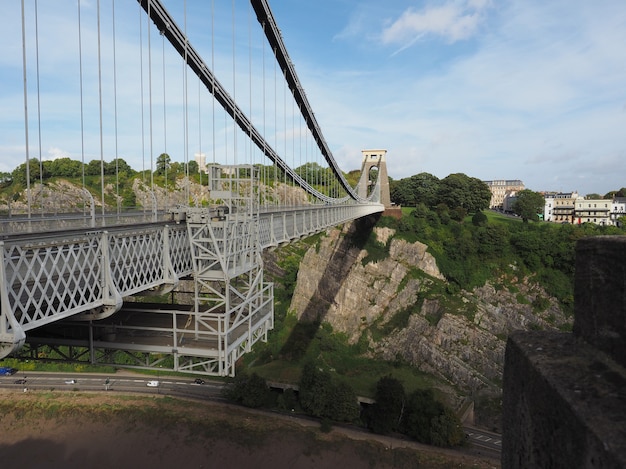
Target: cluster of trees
[67, 168]
[460, 193]
[419, 415]
[609, 195]
[313, 173]
[165, 166]
[73, 169]
[528, 205]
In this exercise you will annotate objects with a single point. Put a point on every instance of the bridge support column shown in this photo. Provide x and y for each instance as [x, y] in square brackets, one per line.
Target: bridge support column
[12, 336]
[111, 298]
[233, 305]
[375, 159]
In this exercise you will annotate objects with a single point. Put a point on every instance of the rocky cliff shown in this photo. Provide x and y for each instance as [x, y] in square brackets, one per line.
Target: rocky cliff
[401, 306]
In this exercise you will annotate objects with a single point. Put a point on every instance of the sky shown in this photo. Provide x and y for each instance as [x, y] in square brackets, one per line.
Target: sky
[497, 89]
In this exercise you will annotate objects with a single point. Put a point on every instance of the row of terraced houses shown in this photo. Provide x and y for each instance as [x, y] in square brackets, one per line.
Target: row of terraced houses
[561, 207]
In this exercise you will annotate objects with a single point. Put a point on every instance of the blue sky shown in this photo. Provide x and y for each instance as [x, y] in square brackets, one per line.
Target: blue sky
[511, 89]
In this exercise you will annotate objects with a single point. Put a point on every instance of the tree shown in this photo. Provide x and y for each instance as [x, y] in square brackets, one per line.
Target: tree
[314, 386]
[479, 219]
[34, 172]
[118, 166]
[193, 167]
[420, 188]
[446, 429]
[65, 167]
[343, 405]
[528, 205]
[93, 168]
[249, 390]
[459, 190]
[321, 397]
[385, 414]
[163, 163]
[421, 409]
[479, 196]
[5, 178]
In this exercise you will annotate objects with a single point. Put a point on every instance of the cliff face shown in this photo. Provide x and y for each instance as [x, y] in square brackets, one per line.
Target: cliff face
[460, 339]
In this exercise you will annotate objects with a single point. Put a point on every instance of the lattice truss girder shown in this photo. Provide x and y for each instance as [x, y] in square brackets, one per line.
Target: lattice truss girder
[85, 275]
[223, 249]
[284, 226]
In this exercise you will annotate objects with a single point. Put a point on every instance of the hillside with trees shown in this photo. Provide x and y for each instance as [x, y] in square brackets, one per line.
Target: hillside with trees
[527, 266]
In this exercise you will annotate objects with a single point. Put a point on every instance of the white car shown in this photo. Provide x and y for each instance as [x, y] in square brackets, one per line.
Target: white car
[152, 384]
[70, 381]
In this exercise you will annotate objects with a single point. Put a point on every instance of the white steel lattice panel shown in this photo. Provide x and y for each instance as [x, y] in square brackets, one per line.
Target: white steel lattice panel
[180, 253]
[137, 260]
[53, 281]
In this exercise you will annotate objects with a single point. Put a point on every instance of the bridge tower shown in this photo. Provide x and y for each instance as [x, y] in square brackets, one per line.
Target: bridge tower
[375, 159]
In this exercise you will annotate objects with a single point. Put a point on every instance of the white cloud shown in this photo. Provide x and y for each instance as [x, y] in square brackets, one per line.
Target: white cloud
[453, 22]
[56, 153]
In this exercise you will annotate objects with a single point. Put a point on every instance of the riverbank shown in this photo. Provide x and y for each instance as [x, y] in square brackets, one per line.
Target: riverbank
[72, 429]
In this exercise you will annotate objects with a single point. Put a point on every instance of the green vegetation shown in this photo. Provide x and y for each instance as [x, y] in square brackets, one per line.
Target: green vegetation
[529, 205]
[54, 366]
[468, 253]
[321, 394]
[366, 240]
[249, 390]
[470, 250]
[118, 178]
[459, 192]
[420, 415]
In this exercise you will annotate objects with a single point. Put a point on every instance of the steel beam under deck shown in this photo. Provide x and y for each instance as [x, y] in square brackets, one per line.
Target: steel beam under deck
[153, 336]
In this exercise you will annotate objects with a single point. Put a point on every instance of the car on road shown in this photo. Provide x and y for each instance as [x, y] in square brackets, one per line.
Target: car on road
[152, 384]
[20, 381]
[7, 371]
[70, 381]
[199, 381]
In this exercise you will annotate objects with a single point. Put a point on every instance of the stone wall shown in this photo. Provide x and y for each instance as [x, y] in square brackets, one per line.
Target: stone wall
[564, 395]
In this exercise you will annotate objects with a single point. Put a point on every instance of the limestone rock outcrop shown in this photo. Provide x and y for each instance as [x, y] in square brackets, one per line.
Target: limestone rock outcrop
[462, 341]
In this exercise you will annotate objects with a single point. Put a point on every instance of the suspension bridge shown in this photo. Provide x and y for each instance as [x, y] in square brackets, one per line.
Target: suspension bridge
[137, 81]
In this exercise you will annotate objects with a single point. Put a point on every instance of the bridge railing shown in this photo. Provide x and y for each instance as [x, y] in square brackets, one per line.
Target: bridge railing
[47, 222]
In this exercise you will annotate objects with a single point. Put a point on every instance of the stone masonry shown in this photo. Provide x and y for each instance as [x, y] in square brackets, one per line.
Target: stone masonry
[564, 394]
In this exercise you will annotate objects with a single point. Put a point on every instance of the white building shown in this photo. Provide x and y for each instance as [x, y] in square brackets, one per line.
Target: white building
[618, 210]
[595, 211]
[201, 160]
[560, 207]
[501, 189]
[548, 207]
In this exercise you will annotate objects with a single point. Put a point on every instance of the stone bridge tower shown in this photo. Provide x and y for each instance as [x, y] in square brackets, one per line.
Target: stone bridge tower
[375, 159]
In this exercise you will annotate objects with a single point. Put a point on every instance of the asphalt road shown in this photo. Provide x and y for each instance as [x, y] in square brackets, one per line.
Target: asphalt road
[117, 382]
[484, 439]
